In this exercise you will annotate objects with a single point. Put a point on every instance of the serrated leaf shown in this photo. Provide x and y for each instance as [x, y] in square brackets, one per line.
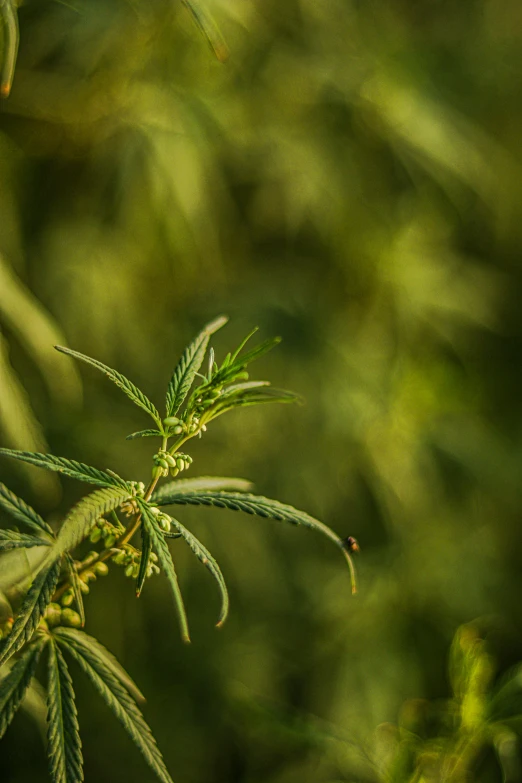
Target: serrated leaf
[237, 364]
[21, 511]
[93, 647]
[74, 579]
[202, 482]
[146, 547]
[12, 539]
[259, 506]
[252, 396]
[64, 747]
[165, 559]
[133, 393]
[188, 366]
[33, 606]
[120, 702]
[208, 561]
[14, 685]
[144, 434]
[82, 517]
[67, 467]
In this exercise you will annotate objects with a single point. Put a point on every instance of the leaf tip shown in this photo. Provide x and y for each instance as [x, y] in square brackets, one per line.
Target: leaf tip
[216, 324]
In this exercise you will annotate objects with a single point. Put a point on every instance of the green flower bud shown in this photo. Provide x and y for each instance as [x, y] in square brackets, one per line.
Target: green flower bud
[180, 463]
[164, 522]
[109, 541]
[101, 569]
[178, 430]
[67, 598]
[157, 472]
[96, 534]
[71, 618]
[129, 569]
[171, 421]
[118, 558]
[189, 459]
[186, 464]
[88, 576]
[174, 472]
[84, 587]
[135, 570]
[53, 615]
[153, 556]
[170, 459]
[163, 462]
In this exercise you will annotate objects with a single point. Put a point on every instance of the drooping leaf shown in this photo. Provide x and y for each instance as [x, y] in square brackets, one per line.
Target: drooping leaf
[33, 606]
[259, 506]
[14, 685]
[144, 434]
[128, 388]
[82, 517]
[64, 747]
[165, 559]
[93, 647]
[21, 511]
[189, 365]
[74, 579]
[208, 561]
[12, 539]
[201, 482]
[119, 700]
[146, 547]
[68, 467]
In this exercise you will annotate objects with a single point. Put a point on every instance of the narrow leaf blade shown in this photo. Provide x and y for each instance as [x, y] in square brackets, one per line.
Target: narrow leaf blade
[92, 647]
[144, 434]
[15, 684]
[33, 606]
[258, 506]
[12, 539]
[146, 547]
[133, 393]
[189, 365]
[64, 747]
[81, 519]
[67, 467]
[201, 483]
[165, 559]
[209, 562]
[21, 511]
[120, 702]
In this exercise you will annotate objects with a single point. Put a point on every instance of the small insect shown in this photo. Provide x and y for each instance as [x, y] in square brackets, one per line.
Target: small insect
[11, 37]
[351, 544]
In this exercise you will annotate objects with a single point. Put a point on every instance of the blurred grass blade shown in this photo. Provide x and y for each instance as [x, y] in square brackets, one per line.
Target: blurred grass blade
[209, 28]
[11, 37]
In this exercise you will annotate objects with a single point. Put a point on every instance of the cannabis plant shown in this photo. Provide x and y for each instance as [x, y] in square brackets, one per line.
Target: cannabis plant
[50, 615]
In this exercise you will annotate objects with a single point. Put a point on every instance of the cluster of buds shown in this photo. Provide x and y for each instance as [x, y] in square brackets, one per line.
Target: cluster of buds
[164, 462]
[206, 399]
[130, 507]
[162, 519]
[130, 558]
[58, 615]
[106, 530]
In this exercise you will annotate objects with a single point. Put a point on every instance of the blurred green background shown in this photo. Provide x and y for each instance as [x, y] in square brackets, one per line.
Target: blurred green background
[351, 179]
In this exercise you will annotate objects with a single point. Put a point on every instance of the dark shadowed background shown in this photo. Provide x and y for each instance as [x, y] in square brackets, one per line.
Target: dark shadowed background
[351, 179]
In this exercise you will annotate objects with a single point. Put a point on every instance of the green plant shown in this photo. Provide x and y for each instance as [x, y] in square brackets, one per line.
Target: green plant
[46, 619]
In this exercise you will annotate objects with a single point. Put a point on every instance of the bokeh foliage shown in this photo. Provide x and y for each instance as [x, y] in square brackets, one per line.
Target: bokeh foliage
[351, 180]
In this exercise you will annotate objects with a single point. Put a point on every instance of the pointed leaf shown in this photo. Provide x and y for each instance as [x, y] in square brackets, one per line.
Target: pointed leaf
[201, 482]
[146, 548]
[229, 370]
[252, 396]
[12, 539]
[14, 685]
[160, 547]
[209, 29]
[68, 467]
[33, 606]
[189, 365]
[208, 561]
[82, 517]
[21, 511]
[128, 388]
[144, 434]
[118, 699]
[74, 579]
[64, 747]
[261, 507]
[92, 646]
